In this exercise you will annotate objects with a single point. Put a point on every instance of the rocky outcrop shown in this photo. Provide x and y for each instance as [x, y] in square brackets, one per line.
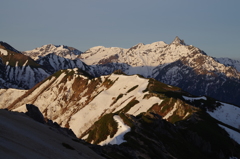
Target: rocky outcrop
[34, 113]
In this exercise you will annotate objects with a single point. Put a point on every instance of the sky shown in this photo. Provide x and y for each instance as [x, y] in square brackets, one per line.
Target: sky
[211, 25]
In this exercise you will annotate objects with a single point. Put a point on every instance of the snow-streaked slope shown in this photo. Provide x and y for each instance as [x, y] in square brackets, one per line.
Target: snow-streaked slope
[77, 102]
[233, 134]
[228, 114]
[19, 71]
[54, 63]
[230, 62]
[225, 113]
[104, 102]
[22, 137]
[59, 50]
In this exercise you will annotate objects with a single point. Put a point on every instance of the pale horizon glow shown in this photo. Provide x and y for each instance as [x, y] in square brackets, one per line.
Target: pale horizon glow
[212, 26]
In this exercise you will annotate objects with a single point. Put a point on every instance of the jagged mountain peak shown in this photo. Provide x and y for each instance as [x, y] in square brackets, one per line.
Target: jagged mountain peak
[177, 40]
[60, 50]
[138, 45]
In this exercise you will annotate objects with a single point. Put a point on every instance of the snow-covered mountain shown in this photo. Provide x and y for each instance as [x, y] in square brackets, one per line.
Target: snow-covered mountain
[53, 63]
[57, 57]
[144, 118]
[18, 70]
[59, 50]
[176, 64]
[69, 97]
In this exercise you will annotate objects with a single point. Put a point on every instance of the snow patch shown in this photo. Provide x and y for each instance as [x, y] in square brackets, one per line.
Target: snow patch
[4, 52]
[171, 112]
[25, 63]
[118, 138]
[194, 98]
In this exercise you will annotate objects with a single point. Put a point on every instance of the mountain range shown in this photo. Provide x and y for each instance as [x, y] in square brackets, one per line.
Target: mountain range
[176, 64]
[150, 101]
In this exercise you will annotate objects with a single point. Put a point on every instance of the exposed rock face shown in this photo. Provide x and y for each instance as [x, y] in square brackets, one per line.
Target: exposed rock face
[34, 113]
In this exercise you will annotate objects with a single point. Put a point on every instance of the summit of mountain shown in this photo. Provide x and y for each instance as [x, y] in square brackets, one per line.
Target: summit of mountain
[177, 41]
[59, 50]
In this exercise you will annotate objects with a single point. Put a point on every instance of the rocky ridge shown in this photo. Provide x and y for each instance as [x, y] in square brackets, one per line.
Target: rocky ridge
[17, 70]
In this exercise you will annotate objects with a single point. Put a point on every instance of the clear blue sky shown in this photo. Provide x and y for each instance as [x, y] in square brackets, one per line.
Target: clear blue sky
[211, 25]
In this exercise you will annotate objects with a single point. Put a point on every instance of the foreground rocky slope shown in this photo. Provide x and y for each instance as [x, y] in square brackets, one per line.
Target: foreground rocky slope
[22, 137]
[134, 117]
